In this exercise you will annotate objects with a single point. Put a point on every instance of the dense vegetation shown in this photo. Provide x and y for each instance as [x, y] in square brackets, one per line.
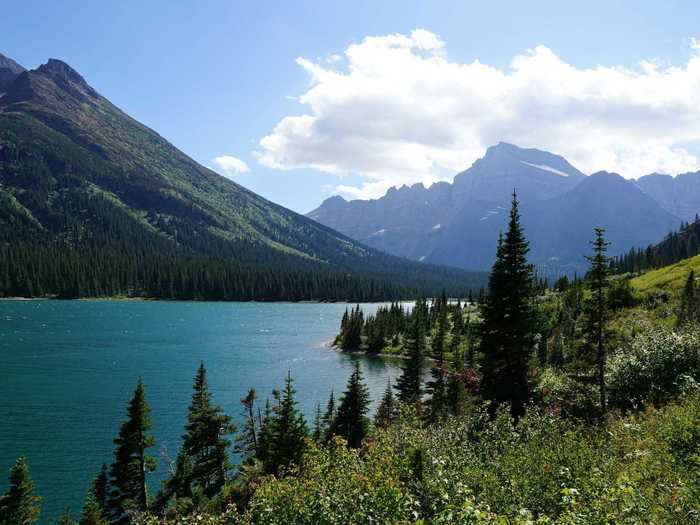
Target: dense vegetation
[68, 272]
[92, 203]
[596, 421]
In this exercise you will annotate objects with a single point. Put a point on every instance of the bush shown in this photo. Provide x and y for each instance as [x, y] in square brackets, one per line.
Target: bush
[658, 365]
[562, 395]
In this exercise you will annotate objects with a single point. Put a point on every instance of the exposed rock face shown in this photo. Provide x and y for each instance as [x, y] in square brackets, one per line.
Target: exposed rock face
[9, 71]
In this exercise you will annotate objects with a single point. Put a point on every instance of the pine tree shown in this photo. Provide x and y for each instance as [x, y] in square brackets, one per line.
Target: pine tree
[66, 518]
[386, 412]
[351, 421]
[19, 505]
[436, 387]
[409, 385]
[247, 441]
[508, 326]
[689, 310]
[205, 443]
[597, 308]
[456, 393]
[93, 512]
[288, 432]
[131, 463]
[329, 414]
[319, 431]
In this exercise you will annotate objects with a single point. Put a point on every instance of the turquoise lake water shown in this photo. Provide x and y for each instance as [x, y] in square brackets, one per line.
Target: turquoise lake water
[68, 369]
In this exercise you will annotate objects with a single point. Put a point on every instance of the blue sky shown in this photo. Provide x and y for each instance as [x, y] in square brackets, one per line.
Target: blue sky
[217, 77]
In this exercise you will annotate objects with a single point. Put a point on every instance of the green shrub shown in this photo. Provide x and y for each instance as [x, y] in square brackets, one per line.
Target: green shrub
[658, 365]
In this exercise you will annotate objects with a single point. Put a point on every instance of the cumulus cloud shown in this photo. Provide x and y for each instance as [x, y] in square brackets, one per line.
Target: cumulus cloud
[230, 165]
[397, 111]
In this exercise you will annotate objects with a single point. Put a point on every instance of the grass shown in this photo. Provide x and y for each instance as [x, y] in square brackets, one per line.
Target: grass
[669, 278]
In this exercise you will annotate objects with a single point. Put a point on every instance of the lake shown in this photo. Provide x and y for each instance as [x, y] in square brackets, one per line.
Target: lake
[69, 368]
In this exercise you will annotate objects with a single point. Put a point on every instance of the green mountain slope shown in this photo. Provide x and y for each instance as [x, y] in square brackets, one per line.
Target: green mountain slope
[670, 278]
[80, 178]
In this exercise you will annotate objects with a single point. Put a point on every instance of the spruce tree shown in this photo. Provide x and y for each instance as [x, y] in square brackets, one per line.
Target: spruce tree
[66, 518]
[19, 505]
[319, 431]
[131, 463]
[386, 412]
[93, 512]
[329, 414]
[264, 434]
[205, 443]
[351, 421]
[409, 384]
[508, 326]
[436, 387]
[247, 441]
[456, 393]
[288, 432]
[597, 307]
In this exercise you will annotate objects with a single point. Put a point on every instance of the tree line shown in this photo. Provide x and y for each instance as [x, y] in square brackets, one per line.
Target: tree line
[675, 247]
[55, 270]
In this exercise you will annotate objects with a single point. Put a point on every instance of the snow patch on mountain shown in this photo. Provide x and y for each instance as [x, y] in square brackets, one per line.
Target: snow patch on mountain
[546, 168]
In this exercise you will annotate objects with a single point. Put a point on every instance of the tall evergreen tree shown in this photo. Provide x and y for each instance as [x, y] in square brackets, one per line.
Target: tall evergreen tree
[409, 385]
[247, 441]
[66, 518]
[508, 326]
[456, 392]
[319, 431]
[131, 463]
[265, 433]
[386, 412]
[288, 432]
[329, 414]
[351, 421]
[205, 443]
[93, 512]
[436, 388]
[19, 505]
[597, 308]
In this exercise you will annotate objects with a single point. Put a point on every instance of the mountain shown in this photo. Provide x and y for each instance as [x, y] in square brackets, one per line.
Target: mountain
[9, 71]
[458, 223]
[80, 176]
[679, 195]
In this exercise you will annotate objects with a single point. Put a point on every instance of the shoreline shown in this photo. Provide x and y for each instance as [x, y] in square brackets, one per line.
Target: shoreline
[330, 345]
[155, 299]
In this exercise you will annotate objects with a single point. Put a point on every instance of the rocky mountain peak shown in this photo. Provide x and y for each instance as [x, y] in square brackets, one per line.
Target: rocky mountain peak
[9, 71]
[66, 77]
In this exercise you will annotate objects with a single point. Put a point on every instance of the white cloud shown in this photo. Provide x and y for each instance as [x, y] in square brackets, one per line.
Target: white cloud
[230, 165]
[397, 111]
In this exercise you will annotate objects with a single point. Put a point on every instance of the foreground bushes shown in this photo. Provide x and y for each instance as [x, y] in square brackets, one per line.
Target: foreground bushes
[657, 366]
[544, 470]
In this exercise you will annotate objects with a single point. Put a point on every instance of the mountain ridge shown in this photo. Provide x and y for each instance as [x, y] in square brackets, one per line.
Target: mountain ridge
[457, 223]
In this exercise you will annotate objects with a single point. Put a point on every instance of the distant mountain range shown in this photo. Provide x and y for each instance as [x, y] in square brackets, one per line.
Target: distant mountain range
[76, 171]
[458, 223]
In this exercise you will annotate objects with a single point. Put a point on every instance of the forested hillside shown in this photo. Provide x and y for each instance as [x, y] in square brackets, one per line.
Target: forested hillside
[93, 203]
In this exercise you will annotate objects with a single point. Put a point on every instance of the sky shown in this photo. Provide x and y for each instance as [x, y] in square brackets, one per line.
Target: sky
[302, 100]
